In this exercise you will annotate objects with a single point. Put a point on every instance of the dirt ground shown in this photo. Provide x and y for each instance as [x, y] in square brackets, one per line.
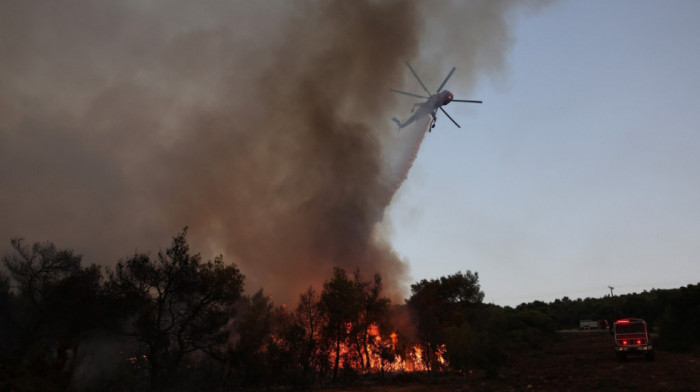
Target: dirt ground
[577, 361]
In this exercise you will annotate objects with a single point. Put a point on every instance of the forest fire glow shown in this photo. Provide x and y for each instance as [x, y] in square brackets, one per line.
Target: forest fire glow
[386, 354]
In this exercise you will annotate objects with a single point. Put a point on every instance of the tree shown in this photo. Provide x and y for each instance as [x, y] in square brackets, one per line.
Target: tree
[309, 317]
[54, 301]
[6, 330]
[35, 269]
[679, 326]
[179, 305]
[254, 329]
[424, 303]
[373, 315]
[438, 304]
[341, 303]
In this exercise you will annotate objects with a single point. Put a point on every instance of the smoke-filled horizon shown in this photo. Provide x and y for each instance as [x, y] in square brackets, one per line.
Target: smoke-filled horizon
[263, 127]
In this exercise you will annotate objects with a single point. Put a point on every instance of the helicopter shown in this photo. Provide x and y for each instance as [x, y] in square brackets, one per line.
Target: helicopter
[434, 102]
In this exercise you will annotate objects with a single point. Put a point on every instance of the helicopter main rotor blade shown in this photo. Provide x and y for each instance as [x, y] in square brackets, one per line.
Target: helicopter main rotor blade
[417, 78]
[410, 94]
[448, 116]
[445, 81]
[465, 100]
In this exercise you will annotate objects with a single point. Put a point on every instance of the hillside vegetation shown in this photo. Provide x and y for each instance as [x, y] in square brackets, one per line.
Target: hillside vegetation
[177, 322]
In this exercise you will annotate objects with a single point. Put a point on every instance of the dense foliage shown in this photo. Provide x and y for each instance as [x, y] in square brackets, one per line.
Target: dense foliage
[176, 322]
[672, 314]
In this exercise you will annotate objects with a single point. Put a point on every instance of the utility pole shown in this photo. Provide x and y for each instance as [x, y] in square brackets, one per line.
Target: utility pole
[612, 296]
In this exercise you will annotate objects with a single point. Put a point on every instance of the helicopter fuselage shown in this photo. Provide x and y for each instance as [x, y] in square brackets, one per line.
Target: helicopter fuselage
[430, 106]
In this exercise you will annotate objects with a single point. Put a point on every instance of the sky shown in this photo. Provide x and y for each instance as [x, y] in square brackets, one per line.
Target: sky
[580, 170]
[122, 123]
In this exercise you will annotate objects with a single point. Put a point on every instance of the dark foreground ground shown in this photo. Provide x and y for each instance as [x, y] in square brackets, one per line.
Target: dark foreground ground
[577, 361]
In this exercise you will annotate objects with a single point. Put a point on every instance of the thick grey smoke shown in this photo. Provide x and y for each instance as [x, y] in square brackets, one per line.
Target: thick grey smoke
[264, 126]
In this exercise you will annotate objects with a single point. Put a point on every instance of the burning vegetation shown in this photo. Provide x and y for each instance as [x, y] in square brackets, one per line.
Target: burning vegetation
[176, 320]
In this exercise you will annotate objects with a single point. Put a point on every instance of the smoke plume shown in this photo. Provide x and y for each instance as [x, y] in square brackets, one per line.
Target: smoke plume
[263, 126]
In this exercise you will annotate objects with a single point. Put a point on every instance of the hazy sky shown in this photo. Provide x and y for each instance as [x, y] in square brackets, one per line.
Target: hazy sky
[582, 167]
[266, 128]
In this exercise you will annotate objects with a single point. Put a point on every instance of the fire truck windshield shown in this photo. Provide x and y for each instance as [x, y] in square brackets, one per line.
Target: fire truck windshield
[629, 328]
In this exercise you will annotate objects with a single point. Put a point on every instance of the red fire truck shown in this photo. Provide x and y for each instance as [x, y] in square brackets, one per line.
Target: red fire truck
[632, 337]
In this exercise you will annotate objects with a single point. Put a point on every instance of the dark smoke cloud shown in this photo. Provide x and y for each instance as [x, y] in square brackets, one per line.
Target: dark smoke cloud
[264, 127]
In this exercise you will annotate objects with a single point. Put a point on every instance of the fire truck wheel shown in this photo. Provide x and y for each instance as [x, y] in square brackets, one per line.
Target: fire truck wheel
[650, 356]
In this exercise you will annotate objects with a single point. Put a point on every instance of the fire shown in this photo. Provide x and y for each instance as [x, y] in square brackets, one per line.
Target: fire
[136, 361]
[380, 354]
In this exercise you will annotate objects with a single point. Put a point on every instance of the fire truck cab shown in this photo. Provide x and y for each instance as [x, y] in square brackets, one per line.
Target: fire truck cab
[632, 337]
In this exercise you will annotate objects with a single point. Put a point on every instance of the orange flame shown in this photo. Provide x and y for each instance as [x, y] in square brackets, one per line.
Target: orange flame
[382, 354]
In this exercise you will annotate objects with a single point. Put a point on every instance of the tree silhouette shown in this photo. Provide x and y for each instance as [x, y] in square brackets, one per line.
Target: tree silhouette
[341, 303]
[441, 303]
[374, 312]
[308, 316]
[54, 301]
[253, 327]
[179, 305]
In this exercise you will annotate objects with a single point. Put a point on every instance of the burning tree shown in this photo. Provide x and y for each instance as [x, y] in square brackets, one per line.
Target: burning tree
[341, 303]
[373, 322]
[440, 305]
[354, 315]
